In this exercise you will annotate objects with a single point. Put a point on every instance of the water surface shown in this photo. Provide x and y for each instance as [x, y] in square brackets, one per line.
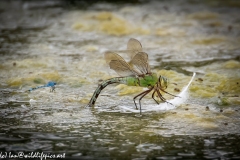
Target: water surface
[65, 41]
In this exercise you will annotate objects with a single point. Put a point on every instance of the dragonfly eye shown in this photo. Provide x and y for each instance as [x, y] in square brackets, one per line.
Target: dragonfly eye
[163, 81]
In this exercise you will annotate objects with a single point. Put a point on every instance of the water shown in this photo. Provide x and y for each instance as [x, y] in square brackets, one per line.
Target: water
[64, 41]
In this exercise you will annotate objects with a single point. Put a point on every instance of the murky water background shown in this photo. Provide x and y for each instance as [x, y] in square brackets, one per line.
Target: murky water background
[64, 41]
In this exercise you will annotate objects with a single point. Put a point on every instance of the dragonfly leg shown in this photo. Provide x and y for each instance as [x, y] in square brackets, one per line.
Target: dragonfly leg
[145, 93]
[162, 98]
[52, 89]
[160, 95]
[153, 97]
[136, 97]
[169, 93]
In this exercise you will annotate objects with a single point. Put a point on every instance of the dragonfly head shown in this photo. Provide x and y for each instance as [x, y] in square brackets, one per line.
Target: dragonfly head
[163, 82]
[51, 84]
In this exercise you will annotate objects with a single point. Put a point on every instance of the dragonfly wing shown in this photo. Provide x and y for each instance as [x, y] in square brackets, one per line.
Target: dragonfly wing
[133, 47]
[119, 65]
[140, 63]
[122, 68]
[110, 55]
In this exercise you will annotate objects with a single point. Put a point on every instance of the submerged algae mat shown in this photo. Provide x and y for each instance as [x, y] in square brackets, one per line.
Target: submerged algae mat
[67, 46]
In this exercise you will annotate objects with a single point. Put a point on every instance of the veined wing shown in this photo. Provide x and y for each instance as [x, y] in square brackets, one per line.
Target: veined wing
[140, 62]
[119, 65]
[133, 47]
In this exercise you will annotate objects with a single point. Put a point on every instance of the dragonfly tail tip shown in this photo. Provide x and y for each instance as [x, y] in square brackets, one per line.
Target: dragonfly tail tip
[89, 105]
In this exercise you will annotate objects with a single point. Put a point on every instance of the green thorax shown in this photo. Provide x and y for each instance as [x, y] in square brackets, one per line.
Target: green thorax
[148, 80]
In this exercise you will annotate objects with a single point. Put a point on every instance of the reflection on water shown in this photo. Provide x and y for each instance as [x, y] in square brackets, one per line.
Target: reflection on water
[64, 42]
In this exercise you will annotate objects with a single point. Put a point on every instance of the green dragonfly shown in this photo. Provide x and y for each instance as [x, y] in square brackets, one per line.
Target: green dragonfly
[135, 73]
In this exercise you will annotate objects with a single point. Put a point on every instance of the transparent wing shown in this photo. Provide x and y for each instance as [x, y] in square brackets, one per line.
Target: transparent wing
[140, 62]
[119, 65]
[133, 47]
[110, 55]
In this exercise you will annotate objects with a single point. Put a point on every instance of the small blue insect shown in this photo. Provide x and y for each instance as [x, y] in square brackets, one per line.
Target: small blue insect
[49, 84]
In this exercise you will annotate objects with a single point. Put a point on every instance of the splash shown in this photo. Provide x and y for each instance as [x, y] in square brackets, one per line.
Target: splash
[182, 97]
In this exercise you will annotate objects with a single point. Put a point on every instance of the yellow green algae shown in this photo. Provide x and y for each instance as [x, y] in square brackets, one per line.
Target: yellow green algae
[31, 63]
[127, 90]
[91, 48]
[177, 81]
[229, 3]
[214, 84]
[215, 24]
[208, 87]
[223, 84]
[167, 31]
[84, 100]
[2, 66]
[74, 82]
[26, 73]
[36, 78]
[194, 117]
[108, 23]
[208, 40]
[231, 64]
[204, 15]
[117, 24]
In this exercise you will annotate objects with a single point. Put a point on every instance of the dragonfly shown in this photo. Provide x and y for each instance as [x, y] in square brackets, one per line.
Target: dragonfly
[135, 73]
[50, 84]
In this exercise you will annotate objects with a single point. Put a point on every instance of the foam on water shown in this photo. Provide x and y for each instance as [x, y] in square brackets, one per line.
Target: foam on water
[182, 97]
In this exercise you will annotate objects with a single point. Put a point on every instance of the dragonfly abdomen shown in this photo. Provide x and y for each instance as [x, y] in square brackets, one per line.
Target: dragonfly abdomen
[32, 89]
[49, 84]
[122, 80]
